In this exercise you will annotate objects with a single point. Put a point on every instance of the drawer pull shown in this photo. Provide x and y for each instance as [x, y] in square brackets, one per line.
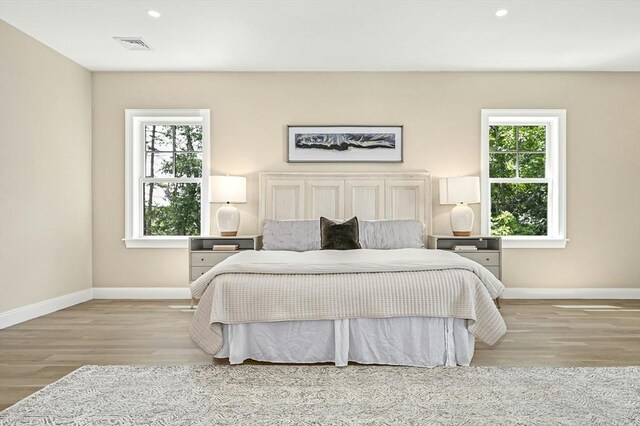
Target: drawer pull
[202, 259]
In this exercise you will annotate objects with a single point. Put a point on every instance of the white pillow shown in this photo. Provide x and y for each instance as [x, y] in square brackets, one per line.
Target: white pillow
[304, 235]
[391, 234]
[291, 235]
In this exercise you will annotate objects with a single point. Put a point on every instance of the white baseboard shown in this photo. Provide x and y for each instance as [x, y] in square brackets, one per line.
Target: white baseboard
[35, 310]
[571, 293]
[142, 293]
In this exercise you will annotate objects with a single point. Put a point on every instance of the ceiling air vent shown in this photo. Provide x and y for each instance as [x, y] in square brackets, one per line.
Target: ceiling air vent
[133, 43]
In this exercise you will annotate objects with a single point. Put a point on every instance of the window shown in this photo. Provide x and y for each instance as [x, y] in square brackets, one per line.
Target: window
[167, 155]
[523, 177]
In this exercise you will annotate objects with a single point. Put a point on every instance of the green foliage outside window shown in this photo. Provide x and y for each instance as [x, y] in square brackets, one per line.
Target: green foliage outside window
[172, 208]
[518, 209]
[518, 152]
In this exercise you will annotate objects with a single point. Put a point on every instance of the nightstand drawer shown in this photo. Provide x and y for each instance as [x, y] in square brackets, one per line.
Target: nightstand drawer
[485, 259]
[209, 259]
[198, 271]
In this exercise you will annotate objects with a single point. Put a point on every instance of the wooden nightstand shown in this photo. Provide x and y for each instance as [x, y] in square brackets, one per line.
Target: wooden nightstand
[488, 253]
[202, 257]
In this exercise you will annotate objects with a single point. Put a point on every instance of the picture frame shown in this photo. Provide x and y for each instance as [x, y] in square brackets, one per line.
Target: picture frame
[344, 144]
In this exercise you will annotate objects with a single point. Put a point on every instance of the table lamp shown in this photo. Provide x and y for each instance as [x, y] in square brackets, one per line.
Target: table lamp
[460, 191]
[228, 189]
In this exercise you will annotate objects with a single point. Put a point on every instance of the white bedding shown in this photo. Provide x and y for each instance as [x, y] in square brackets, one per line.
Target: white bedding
[423, 342]
[320, 262]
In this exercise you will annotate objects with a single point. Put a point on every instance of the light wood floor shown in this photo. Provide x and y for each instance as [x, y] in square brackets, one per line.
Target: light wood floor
[41, 351]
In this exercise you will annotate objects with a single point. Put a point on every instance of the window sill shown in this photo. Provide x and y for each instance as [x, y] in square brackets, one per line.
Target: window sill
[157, 242]
[533, 242]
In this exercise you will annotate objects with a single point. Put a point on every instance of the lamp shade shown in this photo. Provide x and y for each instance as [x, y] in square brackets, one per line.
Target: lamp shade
[228, 189]
[465, 189]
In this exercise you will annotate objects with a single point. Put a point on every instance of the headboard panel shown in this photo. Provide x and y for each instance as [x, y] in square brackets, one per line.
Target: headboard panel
[370, 196]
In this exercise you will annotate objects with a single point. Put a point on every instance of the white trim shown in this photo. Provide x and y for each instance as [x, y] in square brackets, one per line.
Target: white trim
[556, 147]
[516, 242]
[35, 310]
[134, 160]
[520, 180]
[157, 242]
[571, 293]
[148, 293]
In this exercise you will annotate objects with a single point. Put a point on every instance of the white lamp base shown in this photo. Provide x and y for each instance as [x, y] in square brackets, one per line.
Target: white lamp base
[461, 220]
[228, 218]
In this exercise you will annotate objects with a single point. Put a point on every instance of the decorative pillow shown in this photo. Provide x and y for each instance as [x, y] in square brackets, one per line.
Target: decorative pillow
[391, 234]
[291, 235]
[339, 236]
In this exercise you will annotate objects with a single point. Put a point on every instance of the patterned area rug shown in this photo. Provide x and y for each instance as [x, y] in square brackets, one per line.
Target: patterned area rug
[326, 395]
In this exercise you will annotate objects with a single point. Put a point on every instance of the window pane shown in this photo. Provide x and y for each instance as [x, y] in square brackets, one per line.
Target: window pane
[531, 165]
[158, 138]
[171, 208]
[158, 165]
[502, 138]
[188, 138]
[502, 165]
[532, 138]
[168, 138]
[189, 165]
[519, 208]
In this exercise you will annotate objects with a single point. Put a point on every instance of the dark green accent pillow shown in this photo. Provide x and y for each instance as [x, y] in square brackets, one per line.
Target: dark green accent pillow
[339, 236]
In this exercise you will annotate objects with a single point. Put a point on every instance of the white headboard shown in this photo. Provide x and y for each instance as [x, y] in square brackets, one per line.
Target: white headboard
[370, 196]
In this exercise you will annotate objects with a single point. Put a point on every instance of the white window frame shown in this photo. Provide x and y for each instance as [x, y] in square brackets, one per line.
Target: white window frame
[135, 121]
[555, 174]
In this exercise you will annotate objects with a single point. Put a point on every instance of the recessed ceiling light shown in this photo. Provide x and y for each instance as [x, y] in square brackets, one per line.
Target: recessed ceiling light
[153, 13]
[502, 12]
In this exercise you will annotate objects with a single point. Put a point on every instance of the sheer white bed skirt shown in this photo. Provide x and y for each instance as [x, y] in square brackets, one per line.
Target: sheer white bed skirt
[413, 341]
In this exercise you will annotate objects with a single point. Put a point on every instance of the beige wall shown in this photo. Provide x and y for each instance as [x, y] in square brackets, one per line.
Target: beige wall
[441, 115]
[47, 147]
[45, 175]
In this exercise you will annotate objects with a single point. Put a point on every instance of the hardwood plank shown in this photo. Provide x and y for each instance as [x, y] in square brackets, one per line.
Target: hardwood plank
[39, 352]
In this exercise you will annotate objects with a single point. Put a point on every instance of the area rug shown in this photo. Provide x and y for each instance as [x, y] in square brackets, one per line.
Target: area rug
[326, 395]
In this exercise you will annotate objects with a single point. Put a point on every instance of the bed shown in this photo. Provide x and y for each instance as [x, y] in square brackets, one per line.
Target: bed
[392, 302]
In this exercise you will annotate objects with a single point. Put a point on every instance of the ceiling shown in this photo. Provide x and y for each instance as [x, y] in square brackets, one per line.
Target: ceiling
[338, 35]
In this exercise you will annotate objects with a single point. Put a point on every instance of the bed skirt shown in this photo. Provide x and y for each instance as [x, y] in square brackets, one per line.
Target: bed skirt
[412, 341]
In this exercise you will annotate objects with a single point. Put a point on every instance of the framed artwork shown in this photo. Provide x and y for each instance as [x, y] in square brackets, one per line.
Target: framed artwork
[345, 144]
